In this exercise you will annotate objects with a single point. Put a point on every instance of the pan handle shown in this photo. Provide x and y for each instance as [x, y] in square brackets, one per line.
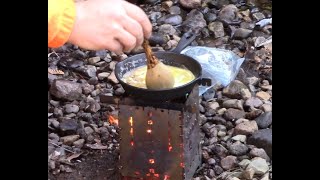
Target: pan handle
[185, 41]
[205, 82]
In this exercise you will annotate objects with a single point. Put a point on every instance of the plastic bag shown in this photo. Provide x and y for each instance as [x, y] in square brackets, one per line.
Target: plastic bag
[219, 65]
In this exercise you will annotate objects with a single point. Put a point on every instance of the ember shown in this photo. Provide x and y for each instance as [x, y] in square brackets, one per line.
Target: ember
[113, 120]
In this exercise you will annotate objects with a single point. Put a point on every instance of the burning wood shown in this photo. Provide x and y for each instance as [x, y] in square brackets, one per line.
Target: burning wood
[113, 120]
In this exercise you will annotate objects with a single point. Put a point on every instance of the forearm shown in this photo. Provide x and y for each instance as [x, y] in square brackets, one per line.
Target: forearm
[61, 17]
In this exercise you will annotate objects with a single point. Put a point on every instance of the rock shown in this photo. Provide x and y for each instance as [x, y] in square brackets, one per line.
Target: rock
[209, 95]
[191, 4]
[233, 103]
[218, 170]
[103, 75]
[253, 102]
[233, 90]
[157, 39]
[266, 177]
[241, 138]
[258, 16]
[154, 16]
[87, 88]
[94, 107]
[263, 95]
[167, 4]
[173, 19]
[79, 143]
[242, 33]
[71, 108]
[244, 163]
[93, 81]
[213, 105]
[210, 17]
[246, 128]
[248, 173]
[66, 90]
[238, 149]
[254, 114]
[217, 28]
[68, 140]
[93, 60]
[57, 112]
[79, 54]
[112, 78]
[119, 91]
[175, 10]
[234, 114]
[218, 120]
[241, 120]
[228, 162]
[69, 125]
[88, 70]
[167, 29]
[88, 130]
[259, 166]
[259, 152]
[266, 107]
[194, 21]
[54, 137]
[221, 133]
[211, 161]
[264, 120]
[228, 13]
[112, 65]
[221, 111]
[101, 54]
[247, 25]
[262, 139]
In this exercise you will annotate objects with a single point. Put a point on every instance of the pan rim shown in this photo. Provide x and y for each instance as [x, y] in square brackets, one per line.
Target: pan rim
[162, 90]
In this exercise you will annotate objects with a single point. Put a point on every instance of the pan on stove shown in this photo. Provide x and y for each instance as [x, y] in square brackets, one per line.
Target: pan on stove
[173, 58]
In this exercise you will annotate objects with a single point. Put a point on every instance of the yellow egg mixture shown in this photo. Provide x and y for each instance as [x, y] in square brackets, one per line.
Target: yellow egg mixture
[137, 77]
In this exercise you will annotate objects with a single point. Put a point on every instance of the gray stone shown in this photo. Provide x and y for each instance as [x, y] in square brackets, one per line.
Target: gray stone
[79, 143]
[228, 162]
[103, 75]
[233, 103]
[246, 128]
[71, 108]
[259, 152]
[68, 140]
[233, 90]
[234, 114]
[259, 166]
[238, 149]
[262, 139]
[66, 90]
[191, 4]
[217, 29]
[167, 29]
[264, 120]
[242, 33]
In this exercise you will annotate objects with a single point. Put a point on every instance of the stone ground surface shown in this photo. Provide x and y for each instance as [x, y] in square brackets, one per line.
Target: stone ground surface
[236, 120]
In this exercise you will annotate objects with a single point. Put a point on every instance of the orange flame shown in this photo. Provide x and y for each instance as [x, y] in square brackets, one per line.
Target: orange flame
[149, 131]
[151, 161]
[113, 120]
[131, 121]
[166, 177]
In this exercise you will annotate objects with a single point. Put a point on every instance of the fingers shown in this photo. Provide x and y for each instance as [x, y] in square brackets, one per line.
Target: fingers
[127, 40]
[138, 14]
[134, 28]
[116, 47]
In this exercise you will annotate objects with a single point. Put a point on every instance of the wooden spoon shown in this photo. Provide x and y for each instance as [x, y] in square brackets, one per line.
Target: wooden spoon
[158, 74]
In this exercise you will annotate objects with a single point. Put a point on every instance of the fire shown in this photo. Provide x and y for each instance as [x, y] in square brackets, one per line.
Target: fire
[151, 161]
[131, 131]
[113, 120]
[150, 122]
[131, 121]
[166, 177]
[149, 131]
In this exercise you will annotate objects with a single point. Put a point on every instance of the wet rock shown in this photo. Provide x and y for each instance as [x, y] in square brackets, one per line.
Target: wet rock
[71, 108]
[234, 89]
[259, 152]
[246, 128]
[217, 29]
[242, 33]
[103, 75]
[233, 103]
[68, 140]
[228, 162]
[262, 139]
[259, 166]
[66, 90]
[238, 149]
[234, 114]
[68, 126]
[191, 4]
[167, 29]
[194, 21]
[264, 120]
[175, 10]
[172, 19]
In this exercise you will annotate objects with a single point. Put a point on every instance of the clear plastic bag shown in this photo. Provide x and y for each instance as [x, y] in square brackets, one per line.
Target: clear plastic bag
[219, 65]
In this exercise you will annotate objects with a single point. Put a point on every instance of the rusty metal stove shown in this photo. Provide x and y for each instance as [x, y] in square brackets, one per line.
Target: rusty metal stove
[159, 140]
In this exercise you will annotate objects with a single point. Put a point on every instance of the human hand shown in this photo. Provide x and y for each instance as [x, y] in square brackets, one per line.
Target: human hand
[115, 25]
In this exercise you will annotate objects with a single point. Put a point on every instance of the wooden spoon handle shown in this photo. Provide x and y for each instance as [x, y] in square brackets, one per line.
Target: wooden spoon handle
[151, 59]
